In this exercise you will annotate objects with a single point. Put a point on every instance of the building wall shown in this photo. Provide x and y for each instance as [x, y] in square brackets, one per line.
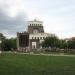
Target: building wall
[35, 25]
[32, 28]
[38, 38]
[34, 36]
[22, 41]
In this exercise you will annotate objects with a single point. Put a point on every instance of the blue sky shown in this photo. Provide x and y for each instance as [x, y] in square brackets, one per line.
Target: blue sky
[58, 16]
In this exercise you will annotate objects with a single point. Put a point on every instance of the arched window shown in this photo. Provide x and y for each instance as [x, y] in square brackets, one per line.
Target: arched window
[43, 37]
[40, 37]
[30, 24]
[36, 24]
[35, 37]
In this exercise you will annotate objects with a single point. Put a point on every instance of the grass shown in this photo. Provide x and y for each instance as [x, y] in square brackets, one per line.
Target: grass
[18, 64]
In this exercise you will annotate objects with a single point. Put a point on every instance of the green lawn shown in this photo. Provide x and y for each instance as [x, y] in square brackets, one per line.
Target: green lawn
[18, 64]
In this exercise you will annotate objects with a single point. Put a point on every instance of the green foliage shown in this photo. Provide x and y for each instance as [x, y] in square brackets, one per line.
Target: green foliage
[2, 38]
[63, 44]
[50, 42]
[71, 44]
[58, 43]
[9, 44]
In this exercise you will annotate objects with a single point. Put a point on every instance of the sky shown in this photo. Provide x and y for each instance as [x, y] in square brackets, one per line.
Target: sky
[58, 16]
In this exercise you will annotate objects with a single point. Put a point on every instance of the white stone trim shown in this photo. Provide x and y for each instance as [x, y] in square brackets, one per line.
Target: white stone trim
[40, 35]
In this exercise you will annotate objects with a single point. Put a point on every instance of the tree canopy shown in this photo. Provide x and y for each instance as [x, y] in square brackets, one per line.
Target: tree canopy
[50, 42]
[9, 44]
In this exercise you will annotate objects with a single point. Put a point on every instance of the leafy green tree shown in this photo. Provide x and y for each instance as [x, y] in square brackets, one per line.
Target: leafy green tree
[51, 42]
[63, 44]
[9, 44]
[2, 39]
[71, 44]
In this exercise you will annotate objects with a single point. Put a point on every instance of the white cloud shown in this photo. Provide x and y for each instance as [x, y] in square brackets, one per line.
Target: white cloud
[58, 15]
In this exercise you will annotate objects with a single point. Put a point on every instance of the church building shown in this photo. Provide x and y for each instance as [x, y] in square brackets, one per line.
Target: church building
[33, 37]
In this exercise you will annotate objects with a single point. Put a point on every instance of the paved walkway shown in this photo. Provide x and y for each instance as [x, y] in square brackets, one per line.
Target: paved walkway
[47, 54]
[31, 53]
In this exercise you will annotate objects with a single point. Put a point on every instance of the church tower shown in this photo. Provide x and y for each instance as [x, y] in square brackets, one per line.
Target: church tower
[35, 27]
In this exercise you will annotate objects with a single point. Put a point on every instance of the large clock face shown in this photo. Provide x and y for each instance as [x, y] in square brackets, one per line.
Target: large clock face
[35, 31]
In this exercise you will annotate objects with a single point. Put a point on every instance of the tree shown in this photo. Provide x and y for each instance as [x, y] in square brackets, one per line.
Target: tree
[71, 44]
[2, 38]
[63, 44]
[51, 42]
[9, 44]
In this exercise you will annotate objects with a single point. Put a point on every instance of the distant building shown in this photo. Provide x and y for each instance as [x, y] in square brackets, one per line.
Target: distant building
[33, 37]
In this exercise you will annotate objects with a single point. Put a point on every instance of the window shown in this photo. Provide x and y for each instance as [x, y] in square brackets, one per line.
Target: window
[30, 24]
[34, 24]
[40, 24]
[35, 37]
[40, 37]
[43, 37]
